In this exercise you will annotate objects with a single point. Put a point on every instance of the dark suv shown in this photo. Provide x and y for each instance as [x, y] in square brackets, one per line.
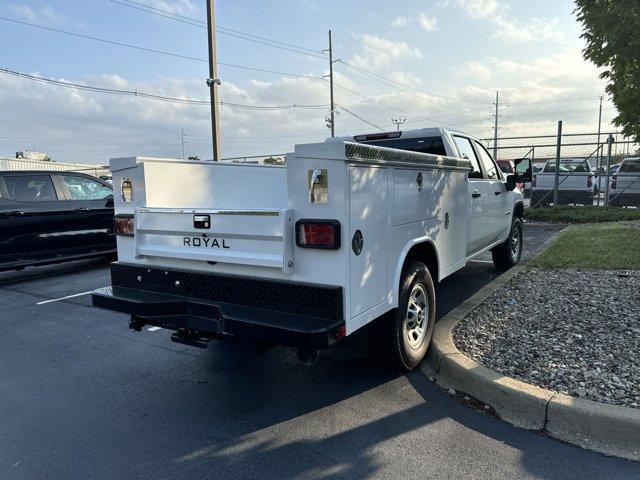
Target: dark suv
[50, 217]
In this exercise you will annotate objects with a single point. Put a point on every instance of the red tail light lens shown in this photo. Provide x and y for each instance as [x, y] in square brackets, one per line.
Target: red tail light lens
[614, 182]
[123, 225]
[589, 181]
[318, 234]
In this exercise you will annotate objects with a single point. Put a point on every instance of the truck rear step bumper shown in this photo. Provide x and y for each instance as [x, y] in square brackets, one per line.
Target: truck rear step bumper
[203, 306]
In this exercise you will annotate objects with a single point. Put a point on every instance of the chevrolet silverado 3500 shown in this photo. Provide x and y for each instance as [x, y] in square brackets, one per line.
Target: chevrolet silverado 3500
[352, 232]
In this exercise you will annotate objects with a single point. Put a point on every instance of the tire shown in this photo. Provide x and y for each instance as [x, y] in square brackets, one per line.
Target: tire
[509, 253]
[396, 339]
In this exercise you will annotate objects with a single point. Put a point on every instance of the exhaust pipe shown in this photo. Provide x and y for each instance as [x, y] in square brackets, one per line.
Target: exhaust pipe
[307, 356]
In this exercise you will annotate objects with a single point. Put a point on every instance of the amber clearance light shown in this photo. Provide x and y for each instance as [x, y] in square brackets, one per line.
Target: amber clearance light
[126, 188]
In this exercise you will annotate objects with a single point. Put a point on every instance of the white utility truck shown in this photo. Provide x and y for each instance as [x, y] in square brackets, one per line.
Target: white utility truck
[575, 183]
[352, 232]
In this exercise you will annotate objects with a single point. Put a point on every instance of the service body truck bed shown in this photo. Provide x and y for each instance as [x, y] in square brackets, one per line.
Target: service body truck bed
[306, 254]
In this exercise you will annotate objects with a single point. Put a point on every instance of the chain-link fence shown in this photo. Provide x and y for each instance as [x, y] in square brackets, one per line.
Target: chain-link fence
[575, 168]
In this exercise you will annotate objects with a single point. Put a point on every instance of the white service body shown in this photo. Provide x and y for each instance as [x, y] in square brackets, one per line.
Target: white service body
[254, 209]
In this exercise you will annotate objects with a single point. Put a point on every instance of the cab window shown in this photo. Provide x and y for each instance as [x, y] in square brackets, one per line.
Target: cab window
[491, 170]
[466, 151]
[82, 188]
[29, 188]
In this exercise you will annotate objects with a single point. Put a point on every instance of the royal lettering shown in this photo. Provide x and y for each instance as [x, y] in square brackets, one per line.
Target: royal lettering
[204, 242]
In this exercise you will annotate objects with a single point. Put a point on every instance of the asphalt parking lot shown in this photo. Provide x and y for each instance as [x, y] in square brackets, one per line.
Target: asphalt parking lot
[83, 397]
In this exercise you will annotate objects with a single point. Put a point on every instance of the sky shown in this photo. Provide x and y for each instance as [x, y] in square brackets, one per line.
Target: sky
[432, 62]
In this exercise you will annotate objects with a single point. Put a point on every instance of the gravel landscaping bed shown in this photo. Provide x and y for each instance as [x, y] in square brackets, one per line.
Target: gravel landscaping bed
[575, 332]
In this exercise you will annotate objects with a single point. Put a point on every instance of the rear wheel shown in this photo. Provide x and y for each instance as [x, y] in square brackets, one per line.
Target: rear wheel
[508, 253]
[401, 338]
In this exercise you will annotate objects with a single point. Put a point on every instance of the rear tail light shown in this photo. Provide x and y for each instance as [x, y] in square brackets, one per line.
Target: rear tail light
[123, 225]
[589, 181]
[533, 181]
[318, 234]
[614, 182]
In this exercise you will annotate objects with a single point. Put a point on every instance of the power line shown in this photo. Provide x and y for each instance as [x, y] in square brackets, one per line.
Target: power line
[393, 84]
[417, 118]
[137, 47]
[223, 30]
[386, 81]
[345, 109]
[151, 96]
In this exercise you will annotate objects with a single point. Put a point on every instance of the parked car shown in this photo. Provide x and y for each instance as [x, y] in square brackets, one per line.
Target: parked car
[50, 217]
[624, 189]
[575, 183]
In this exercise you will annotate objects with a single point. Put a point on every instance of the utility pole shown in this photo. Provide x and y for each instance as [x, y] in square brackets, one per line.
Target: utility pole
[495, 129]
[397, 122]
[599, 152]
[332, 118]
[183, 142]
[556, 180]
[213, 82]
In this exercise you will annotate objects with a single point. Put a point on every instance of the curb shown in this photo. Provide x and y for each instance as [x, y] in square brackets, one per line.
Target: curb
[608, 429]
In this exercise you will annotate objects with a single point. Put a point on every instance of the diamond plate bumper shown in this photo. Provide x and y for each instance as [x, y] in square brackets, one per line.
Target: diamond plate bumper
[215, 306]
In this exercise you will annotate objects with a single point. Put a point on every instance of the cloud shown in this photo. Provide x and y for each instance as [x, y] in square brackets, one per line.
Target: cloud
[509, 28]
[180, 7]
[426, 22]
[46, 15]
[399, 22]
[477, 70]
[379, 52]
[81, 126]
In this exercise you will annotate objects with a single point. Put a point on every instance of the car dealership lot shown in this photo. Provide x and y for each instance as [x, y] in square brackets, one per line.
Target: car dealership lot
[83, 397]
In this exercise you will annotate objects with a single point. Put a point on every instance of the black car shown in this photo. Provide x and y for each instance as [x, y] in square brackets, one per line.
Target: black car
[50, 217]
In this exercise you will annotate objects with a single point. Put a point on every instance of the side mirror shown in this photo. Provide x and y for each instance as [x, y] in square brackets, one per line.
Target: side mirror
[511, 182]
[523, 170]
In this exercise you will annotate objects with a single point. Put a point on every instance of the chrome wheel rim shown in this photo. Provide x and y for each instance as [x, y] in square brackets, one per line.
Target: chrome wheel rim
[514, 243]
[417, 317]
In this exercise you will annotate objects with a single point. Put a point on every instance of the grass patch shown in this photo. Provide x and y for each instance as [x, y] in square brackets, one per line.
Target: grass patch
[576, 214]
[614, 246]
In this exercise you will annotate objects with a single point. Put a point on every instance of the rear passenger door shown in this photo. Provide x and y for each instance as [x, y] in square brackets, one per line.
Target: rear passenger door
[92, 203]
[33, 218]
[479, 193]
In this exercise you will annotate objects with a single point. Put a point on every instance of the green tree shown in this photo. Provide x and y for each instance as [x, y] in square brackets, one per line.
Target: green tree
[612, 33]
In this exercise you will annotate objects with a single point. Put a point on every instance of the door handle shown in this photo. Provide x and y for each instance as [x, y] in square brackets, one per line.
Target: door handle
[16, 213]
[82, 210]
[498, 192]
[476, 194]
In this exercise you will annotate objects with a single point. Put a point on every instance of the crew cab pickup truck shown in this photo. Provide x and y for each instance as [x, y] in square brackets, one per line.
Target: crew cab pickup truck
[624, 188]
[351, 233]
[575, 183]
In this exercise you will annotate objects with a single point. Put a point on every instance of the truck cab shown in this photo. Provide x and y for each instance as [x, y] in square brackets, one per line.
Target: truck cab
[352, 233]
[491, 203]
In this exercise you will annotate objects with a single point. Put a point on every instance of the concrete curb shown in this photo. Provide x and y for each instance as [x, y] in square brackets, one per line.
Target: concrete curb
[608, 429]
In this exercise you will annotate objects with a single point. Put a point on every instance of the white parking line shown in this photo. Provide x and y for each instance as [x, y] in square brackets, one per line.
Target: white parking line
[153, 329]
[63, 298]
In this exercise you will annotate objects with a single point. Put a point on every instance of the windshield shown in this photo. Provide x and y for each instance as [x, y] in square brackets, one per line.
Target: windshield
[567, 167]
[631, 166]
